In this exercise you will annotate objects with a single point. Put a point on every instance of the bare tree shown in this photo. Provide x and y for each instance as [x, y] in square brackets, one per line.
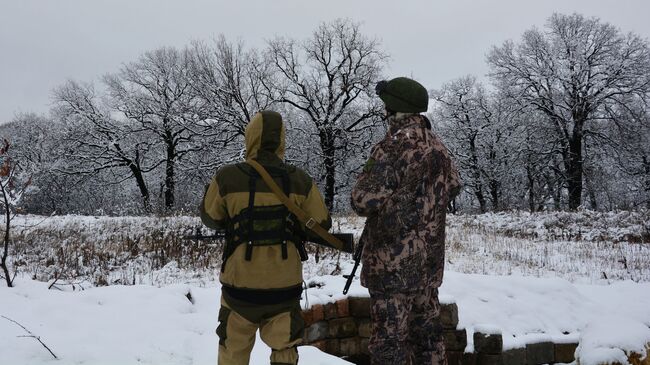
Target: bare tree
[329, 80]
[97, 142]
[573, 73]
[12, 188]
[230, 79]
[476, 126]
[155, 96]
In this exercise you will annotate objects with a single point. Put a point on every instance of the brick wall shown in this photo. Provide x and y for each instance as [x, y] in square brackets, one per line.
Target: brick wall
[343, 329]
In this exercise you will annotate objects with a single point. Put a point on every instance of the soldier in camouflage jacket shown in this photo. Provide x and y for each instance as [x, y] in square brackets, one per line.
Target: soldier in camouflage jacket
[404, 191]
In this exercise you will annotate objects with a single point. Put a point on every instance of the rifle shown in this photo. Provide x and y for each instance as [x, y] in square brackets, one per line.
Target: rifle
[200, 237]
[346, 238]
[357, 259]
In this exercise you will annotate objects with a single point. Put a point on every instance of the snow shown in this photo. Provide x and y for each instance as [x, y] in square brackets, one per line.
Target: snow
[119, 325]
[610, 338]
[530, 310]
[562, 277]
[158, 325]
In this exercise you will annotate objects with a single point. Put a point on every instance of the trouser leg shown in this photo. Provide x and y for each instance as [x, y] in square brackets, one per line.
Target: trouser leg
[236, 337]
[425, 330]
[388, 343]
[282, 333]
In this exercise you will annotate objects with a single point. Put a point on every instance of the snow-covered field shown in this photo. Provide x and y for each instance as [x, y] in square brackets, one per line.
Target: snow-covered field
[118, 325]
[556, 276]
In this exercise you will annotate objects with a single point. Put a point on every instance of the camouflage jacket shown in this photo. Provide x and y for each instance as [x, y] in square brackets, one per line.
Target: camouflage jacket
[404, 191]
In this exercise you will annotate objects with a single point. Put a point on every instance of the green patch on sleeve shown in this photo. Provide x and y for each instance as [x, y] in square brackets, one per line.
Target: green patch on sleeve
[369, 165]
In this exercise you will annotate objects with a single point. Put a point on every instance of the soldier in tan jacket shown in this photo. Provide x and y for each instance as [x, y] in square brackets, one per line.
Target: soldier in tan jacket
[261, 275]
[404, 191]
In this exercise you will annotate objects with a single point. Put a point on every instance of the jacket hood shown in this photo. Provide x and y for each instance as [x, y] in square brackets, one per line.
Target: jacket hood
[265, 137]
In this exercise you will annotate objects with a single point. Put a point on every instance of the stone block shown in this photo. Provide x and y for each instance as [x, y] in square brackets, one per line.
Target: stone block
[329, 310]
[358, 359]
[321, 345]
[488, 344]
[365, 328]
[308, 317]
[455, 340]
[449, 316]
[350, 346]
[317, 313]
[540, 353]
[317, 331]
[359, 307]
[342, 308]
[514, 356]
[454, 357]
[470, 358]
[333, 347]
[461, 358]
[489, 359]
[364, 346]
[565, 352]
[342, 327]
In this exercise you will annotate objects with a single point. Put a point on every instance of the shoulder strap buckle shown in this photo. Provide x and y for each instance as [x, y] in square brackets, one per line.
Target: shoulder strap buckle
[310, 223]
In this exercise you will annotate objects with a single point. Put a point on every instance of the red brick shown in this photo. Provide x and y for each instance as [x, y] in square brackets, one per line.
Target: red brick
[333, 347]
[329, 310]
[342, 327]
[317, 313]
[321, 345]
[364, 346]
[342, 308]
[365, 328]
[308, 317]
[351, 346]
[359, 307]
[316, 332]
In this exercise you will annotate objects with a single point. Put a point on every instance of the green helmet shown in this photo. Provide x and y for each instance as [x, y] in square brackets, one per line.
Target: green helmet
[403, 95]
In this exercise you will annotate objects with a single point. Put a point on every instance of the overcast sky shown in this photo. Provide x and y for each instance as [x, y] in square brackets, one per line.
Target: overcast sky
[43, 43]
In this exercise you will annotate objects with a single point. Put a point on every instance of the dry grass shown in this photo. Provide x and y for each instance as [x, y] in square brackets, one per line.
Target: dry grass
[581, 247]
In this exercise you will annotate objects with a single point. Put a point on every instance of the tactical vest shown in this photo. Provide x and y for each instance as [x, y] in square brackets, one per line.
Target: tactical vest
[258, 226]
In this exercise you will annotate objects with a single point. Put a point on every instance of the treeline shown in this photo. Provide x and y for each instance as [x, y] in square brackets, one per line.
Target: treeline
[563, 124]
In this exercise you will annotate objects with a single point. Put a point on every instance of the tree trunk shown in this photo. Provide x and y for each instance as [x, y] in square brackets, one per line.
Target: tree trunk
[531, 188]
[593, 203]
[142, 185]
[646, 168]
[495, 194]
[327, 145]
[5, 252]
[574, 165]
[169, 172]
[476, 174]
[478, 192]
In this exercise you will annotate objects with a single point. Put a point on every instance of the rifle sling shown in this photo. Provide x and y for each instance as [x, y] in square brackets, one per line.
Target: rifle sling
[302, 216]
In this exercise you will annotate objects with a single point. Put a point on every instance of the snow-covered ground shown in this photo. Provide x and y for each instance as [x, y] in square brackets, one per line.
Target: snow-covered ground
[160, 325]
[118, 325]
[548, 276]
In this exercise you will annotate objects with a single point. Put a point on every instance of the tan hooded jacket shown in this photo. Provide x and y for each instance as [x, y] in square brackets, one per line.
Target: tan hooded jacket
[267, 277]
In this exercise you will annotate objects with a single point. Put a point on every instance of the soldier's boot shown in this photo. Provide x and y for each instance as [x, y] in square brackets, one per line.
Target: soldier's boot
[236, 337]
[282, 333]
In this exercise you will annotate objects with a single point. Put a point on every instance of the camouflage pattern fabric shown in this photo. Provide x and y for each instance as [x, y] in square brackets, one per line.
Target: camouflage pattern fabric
[404, 191]
[406, 329]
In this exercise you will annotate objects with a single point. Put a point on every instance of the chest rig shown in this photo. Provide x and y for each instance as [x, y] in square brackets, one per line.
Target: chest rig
[268, 225]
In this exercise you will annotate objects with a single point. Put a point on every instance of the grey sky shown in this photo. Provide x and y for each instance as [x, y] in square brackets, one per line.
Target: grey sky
[43, 43]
